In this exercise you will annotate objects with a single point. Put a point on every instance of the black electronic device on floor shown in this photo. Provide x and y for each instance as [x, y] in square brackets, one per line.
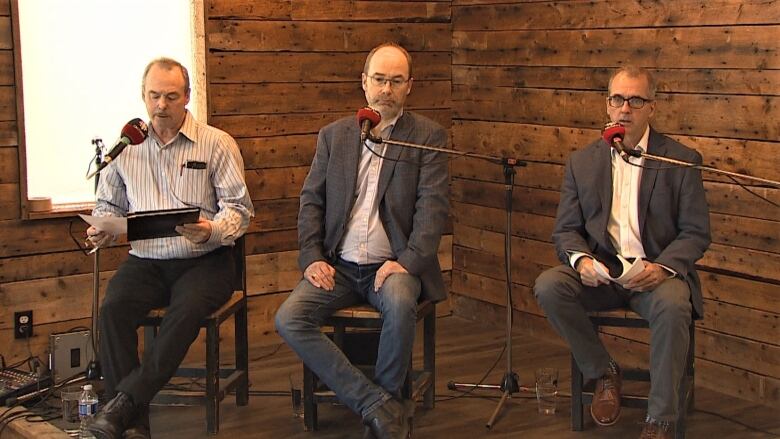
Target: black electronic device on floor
[15, 383]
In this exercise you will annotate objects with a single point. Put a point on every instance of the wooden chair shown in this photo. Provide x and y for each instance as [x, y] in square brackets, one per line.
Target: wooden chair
[219, 381]
[350, 334]
[628, 319]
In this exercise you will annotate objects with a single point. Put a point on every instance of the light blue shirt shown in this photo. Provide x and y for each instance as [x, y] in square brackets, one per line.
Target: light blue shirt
[200, 167]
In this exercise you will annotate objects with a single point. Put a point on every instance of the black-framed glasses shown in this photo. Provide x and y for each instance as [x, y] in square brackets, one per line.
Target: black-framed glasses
[635, 102]
[380, 81]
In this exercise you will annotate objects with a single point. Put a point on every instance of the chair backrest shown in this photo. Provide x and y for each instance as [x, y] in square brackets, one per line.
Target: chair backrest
[239, 256]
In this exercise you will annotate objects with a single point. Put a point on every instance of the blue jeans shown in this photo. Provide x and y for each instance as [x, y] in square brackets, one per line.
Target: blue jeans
[300, 317]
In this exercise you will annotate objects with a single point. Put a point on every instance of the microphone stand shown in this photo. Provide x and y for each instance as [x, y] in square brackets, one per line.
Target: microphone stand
[509, 383]
[93, 371]
[638, 153]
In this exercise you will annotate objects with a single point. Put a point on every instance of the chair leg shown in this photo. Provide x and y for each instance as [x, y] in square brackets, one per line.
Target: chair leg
[212, 377]
[577, 421]
[429, 357]
[309, 405]
[242, 355]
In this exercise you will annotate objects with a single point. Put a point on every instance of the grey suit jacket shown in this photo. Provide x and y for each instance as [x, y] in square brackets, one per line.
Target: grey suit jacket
[673, 213]
[413, 196]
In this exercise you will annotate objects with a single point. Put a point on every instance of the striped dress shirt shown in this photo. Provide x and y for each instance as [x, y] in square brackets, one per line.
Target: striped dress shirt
[200, 167]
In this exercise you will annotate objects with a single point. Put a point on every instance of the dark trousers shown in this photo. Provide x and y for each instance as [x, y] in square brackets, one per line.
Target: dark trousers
[191, 289]
[667, 308]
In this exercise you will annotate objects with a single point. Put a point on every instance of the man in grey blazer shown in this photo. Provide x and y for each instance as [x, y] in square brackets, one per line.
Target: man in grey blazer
[369, 226]
[642, 209]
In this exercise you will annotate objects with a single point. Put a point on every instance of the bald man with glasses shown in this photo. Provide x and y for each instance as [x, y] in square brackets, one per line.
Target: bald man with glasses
[614, 207]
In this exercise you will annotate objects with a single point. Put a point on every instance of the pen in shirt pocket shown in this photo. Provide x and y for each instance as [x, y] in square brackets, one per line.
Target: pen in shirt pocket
[191, 164]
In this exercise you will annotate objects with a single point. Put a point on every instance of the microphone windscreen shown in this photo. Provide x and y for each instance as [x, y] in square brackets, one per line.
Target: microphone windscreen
[135, 130]
[368, 113]
[612, 131]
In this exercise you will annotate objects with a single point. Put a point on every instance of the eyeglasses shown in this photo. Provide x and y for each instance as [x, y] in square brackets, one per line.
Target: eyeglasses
[634, 102]
[380, 81]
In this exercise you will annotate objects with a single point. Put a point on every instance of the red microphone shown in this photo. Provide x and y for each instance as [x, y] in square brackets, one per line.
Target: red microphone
[367, 118]
[613, 134]
[133, 133]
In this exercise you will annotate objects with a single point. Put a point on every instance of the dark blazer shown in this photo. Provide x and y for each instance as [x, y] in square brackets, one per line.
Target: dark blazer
[673, 214]
[413, 194]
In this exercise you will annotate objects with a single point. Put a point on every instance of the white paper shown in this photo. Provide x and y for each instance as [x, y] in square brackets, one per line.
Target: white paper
[629, 270]
[115, 225]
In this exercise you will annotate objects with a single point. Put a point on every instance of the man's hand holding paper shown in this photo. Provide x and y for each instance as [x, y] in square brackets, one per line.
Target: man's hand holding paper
[630, 271]
[652, 276]
[589, 276]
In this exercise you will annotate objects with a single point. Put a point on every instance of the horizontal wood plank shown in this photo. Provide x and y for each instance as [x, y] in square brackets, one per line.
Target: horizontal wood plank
[374, 11]
[303, 67]
[266, 184]
[272, 241]
[318, 97]
[6, 37]
[705, 81]
[52, 265]
[762, 296]
[744, 47]
[9, 201]
[7, 67]
[611, 15]
[301, 36]
[8, 134]
[301, 123]
[274, 215]
[7, 103]
[278, 151]
[249, 9]
[9, 165]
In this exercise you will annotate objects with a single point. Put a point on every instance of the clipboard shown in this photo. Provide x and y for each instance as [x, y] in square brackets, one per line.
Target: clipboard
[152, 224]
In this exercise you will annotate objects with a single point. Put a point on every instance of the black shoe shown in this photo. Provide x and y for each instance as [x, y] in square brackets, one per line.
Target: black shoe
[391, 420]
[139, 429]
[112, 421]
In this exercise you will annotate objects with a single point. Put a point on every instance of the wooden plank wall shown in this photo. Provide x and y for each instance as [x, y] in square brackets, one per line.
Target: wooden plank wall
[529, 80]
[277, 71]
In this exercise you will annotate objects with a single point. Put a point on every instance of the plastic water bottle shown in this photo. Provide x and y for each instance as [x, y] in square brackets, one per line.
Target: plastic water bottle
[88, 405]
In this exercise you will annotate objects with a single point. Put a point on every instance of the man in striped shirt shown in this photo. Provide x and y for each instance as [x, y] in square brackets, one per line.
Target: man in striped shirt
[183, 163]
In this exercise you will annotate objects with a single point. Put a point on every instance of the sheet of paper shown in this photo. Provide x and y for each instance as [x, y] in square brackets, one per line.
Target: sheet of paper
[629, 270]
[115, 225]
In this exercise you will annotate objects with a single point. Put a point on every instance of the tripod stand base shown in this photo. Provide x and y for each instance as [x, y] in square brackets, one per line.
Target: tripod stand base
[509, 385]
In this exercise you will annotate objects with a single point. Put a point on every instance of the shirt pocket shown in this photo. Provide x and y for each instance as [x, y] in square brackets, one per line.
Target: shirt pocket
[193, 185]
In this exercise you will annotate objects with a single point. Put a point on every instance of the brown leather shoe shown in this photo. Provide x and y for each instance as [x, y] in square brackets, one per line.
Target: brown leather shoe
[653, 430]
[605, 408]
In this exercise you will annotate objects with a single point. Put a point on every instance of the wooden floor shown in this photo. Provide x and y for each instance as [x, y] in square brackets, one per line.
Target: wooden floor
[465, 351]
